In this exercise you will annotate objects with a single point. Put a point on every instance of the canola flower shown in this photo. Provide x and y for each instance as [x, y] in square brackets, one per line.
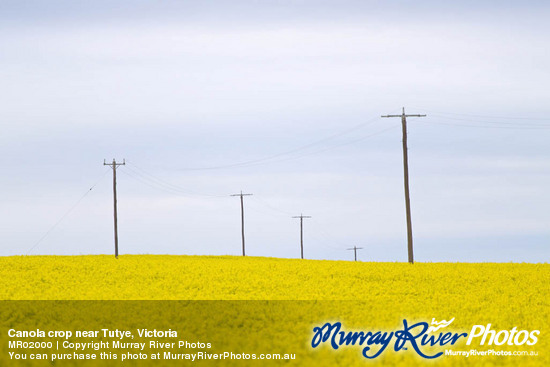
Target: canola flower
[244, 304]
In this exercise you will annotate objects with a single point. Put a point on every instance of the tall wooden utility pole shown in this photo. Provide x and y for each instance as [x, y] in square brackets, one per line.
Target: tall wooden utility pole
[114, 166]
[301, 216]
[355, 248]
[406, 178]
[242, 216]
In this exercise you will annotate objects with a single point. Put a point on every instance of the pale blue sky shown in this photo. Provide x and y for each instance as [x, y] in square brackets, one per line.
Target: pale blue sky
[175, 85]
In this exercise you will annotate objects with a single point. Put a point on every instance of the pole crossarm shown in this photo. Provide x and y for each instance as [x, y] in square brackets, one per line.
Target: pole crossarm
[114, 165]
[403, 115]
[241, 194]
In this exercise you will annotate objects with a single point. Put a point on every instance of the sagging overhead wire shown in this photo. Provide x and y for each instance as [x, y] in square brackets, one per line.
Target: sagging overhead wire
[155, 182]
[272, 158]
[441, 123]
[482, 121]
[68, 212]
[486, 116]
[478, 126]
[324, 242]
[496, 122]
[271, 207]
[137, 178]
[338, 145]
[324, 149]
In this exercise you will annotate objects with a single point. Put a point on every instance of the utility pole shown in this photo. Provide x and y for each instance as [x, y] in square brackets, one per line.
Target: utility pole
[242, 215]
[301, 216]
[114, 166]
[355, 248]
[406, 178]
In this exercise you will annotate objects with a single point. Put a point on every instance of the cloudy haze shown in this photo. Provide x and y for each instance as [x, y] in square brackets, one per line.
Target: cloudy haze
[281, 99]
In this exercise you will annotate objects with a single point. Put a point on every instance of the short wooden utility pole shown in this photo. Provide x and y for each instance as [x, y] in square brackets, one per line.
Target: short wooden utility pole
[355, 248]
[301, 216]
[114, 166]
[242, 216]
[406, 178]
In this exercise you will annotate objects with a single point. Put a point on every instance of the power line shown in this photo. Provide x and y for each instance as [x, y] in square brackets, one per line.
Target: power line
[269, 158]
[326, 148]
[147, 183]
[159, 185]
[319, 229]
[255, 161]
[333, 147]
[485, 116]
[67, 213]
[153, 184]
[165, 184]
[493, 124]
[324, 242]
[269, 206]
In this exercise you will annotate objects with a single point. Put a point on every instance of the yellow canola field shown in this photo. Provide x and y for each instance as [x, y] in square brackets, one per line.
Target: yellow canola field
[160, 277]
[261, 305]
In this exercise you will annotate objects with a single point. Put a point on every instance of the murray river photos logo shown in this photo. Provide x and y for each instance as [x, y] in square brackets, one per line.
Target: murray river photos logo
[417, 337]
